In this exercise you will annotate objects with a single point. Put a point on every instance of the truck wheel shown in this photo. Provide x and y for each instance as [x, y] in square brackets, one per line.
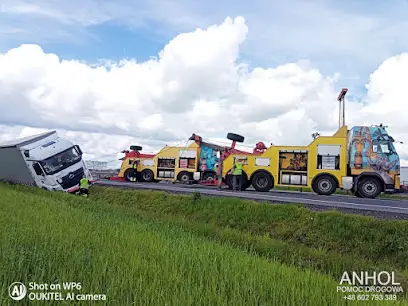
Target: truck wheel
[369, 187]
[209, 176]
[129, 174]
[262, 181]
[136, 148]
[147, 175]
[235, 137]
[357, 194]
[184, 177]
[324, 185]
[245, 183]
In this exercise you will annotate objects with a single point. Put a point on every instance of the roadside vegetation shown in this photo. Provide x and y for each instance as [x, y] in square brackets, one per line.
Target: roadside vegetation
[154, 248]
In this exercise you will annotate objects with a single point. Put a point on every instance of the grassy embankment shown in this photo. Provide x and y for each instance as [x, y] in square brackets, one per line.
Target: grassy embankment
[151, 248]
[329, 241]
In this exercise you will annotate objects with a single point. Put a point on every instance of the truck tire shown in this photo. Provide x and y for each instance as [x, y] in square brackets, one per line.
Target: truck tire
[184, 177]
[245, 182]
[235, 137]
[324, 185]
[136, 148]
[209, 176]
[147, 175]
[357, 194]
[369, 187]
[129, 173]
[262, 181]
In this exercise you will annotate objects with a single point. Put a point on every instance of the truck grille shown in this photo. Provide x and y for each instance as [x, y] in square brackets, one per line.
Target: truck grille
[72, 178]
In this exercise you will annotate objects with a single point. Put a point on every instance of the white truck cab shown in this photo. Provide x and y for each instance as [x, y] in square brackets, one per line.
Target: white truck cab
[50, 162]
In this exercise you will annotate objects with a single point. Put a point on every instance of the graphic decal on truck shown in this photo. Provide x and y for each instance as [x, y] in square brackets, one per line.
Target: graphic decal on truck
[208, 159]
[372, 149]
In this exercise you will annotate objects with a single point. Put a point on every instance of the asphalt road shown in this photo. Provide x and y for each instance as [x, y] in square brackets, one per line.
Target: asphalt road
[388, 207]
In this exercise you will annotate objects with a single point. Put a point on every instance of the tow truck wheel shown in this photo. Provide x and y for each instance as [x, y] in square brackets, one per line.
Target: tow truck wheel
[324, 185]
[147, 175]
[357, 194]
[262, 181]
[369, 187]
[245, 182]
[209, 176]
[129, 174]
[185, 177]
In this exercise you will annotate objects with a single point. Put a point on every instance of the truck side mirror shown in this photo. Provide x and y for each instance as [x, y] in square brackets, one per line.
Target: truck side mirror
[27, 153]
[78, 149]
[38, 169]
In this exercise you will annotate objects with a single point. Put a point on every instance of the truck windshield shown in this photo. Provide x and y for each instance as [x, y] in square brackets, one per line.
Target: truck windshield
[60, 161]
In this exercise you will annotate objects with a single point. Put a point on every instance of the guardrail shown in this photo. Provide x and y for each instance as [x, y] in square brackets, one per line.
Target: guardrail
[103, 174]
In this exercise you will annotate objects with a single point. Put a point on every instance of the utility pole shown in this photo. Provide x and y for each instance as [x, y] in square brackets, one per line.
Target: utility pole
[342, 107]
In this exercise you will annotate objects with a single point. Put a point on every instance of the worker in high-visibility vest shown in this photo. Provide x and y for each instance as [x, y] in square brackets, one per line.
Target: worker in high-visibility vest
[237, 176]
[84, 186]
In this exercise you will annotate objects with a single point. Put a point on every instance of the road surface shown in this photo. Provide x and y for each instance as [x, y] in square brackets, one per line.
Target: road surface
[389, 207]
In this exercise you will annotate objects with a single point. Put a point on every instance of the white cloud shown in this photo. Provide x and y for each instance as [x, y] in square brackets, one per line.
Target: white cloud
[350, 37]
[197, 85]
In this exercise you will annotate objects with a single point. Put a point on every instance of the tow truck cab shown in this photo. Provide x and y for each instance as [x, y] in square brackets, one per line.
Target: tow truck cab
[373, 161]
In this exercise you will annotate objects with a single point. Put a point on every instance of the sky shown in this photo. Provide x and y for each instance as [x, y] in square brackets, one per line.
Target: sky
[108, 75]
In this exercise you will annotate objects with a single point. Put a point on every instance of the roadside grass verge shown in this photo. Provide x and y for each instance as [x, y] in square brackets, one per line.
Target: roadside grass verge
[366, 237]
[52, 238]
[331, 242]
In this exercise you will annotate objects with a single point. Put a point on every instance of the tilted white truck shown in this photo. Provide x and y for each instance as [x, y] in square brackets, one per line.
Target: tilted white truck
[46, 161]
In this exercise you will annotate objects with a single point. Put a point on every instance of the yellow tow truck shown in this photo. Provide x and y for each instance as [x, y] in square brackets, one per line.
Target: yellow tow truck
[196, 162]
[362, 159]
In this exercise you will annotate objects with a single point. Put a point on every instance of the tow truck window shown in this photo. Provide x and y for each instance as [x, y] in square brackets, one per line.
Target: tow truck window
[60, 161]
[328, 157]
[243, 160]
[329, 162]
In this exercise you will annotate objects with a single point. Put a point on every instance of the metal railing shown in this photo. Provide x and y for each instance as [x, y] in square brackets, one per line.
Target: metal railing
[103, 174]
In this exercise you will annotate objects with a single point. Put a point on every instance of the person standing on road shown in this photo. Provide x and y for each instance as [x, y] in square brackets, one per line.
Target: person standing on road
[237, 176]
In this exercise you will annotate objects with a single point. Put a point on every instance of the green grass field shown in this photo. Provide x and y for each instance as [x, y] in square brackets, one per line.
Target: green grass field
[151, 248]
